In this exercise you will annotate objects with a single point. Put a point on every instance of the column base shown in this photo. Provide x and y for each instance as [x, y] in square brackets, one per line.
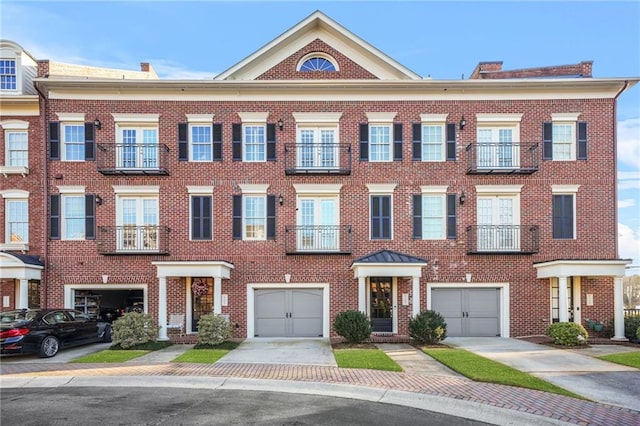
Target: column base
[619, 339]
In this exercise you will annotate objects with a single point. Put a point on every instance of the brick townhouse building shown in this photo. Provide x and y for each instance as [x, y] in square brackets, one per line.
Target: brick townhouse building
[317, 175]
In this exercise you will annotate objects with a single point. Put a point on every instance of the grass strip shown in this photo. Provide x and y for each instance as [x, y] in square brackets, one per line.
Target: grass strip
[630, 359]
[373, 359]
[205, 354]
[482, 369]
[110, 355]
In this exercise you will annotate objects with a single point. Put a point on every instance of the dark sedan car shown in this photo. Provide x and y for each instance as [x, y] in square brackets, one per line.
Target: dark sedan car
[46, 331]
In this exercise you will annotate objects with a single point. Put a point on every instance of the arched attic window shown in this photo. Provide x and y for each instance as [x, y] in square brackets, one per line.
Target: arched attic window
[317, 62]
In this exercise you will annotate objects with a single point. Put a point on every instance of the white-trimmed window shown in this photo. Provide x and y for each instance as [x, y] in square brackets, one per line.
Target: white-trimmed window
[16, 219]
[433, 217]
[201, 142]
[255, 217]
[16, 154]
[73, 217]
[434, 214]
[564, 211]
[254, 138]
[8, 74]
[433, 142]
[381, 211]
[137, 141]
[564, 141]
[254, 213]
[317, 61]
[137, 218]
[560, 138]
[380, 145]
[200, 213]
[73, 141]
[498, 217]
[498, 138]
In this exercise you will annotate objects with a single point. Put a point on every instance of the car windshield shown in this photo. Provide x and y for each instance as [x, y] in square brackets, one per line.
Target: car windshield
[20, 315]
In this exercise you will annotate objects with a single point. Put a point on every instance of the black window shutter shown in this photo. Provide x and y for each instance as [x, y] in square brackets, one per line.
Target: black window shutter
[183, 142]
[375, 217]
[397, 142]
[364, 142]
[271, 142]
[89, 141]
[451, 216]
[271, 217]
[90, 216]
[237, 217]
[582, 140]
[54, 140]
[54, 217]
[236, 138]
[451, 142]
[417, 217]
[417, 141]
[547, 141]
[216, 138]
[563, 216]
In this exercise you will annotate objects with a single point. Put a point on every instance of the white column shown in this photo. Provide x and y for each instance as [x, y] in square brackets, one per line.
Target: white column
[217, 295]
[23, 300]
[362, 294]
[162, 308]
[563, 309]
[415, 289]
[618, 310]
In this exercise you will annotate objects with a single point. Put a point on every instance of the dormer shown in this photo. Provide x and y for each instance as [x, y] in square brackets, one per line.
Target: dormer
[17, 70]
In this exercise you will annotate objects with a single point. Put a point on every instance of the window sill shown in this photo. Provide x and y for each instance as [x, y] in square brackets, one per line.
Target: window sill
[14, 247]
[14, 170]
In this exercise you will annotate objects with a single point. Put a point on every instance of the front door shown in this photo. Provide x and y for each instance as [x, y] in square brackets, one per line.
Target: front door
[381, 307]
[201, 300]
[574, 308]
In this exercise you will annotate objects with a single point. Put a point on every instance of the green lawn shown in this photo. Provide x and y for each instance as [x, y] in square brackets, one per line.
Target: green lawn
[373, 359]
[110, 355]
[207, 355]
[482, 369]
[632, 359]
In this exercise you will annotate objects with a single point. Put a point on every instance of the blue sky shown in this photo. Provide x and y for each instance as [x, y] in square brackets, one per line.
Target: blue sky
[444, 40]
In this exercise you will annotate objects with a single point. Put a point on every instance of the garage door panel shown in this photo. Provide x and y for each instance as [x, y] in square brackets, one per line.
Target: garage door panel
[468, 312]
[454, 326]
[270, 327]
[307, 303]
[307, 327]
[484, 303]
[288, 312]
[484, 327]
[270, 303]
[448, 302]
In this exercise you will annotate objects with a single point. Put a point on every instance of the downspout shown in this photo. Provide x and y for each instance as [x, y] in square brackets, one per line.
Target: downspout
[45, 203]
[615, 157]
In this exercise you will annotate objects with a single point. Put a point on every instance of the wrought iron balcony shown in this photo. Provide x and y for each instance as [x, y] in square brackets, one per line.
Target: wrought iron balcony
[502, 158]
[138, 159]
[322, 239]
[319, 159]
[132, 239]
[503, 239]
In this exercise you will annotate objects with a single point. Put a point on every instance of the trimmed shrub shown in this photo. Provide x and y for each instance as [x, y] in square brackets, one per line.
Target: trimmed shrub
[638, 333]
[213, 329]
[353, 326]
[134, 329]
[567, 333]
[631, 325]
[428, 327]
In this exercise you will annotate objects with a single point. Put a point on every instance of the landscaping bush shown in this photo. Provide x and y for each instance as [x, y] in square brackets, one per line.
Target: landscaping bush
[428, 327]
[353, 326]
[638, 334]
[213, 329]
[631, 325]
[133, 329]
[567, 333]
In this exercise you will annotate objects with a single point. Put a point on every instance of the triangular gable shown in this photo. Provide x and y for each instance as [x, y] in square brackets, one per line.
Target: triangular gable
[318, 26]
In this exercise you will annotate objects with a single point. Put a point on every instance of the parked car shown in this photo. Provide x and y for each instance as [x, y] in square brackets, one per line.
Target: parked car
[46, 331]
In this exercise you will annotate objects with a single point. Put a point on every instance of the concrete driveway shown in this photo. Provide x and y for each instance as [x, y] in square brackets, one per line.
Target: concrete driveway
[582, 374]
[282, 351]
[65, 355]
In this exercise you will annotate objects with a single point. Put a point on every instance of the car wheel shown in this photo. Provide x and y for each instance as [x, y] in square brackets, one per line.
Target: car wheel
[49, 347]
[106, 335]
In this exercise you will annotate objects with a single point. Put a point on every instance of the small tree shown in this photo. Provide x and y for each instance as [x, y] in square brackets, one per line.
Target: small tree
[213, 329]
[428, 327]
[134, 329]
[567, 333]
[353, 326]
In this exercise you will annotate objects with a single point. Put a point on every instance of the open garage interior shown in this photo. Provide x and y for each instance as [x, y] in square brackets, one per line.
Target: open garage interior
[107, 303]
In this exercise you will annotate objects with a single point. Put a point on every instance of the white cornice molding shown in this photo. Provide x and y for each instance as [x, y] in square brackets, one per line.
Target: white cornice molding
[136, 189]
[502, 118]
[253, 188]
[317, 117]
[434, 189]
[565, 116]
[136, 118]
[200, 189]
[71, 189]
[253, 117]
[381, 188]
[564, 189]
[14, 124]
[498, 189]
[381, 117]
[317, 188]
[200, 118]
[433, 118]
[14, 193]
[71, 116]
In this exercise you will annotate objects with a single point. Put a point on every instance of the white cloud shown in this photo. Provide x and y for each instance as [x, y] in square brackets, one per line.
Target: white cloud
[628, 243]
[627, 202]
[629, 142]
[172, 71]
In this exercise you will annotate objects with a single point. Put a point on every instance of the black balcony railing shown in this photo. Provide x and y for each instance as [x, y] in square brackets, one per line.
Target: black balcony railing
[138, 159]
[317, 159]
[502, 158]
[503, 239]
[329, 239]
[131, 239]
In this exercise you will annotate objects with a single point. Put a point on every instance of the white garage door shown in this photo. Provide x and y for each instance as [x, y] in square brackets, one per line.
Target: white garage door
[468, 312]
[288, 313]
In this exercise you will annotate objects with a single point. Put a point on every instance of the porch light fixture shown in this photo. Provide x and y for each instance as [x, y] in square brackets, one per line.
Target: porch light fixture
[287, 278]
[280, 124]
[105, 279]
[462, 123]
[463, 198]
[98, 200]
[280, 199]
[97, 124]
[467, 277]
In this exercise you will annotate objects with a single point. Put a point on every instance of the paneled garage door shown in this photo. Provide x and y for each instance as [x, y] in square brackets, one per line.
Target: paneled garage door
[288, 312]
[468, 312]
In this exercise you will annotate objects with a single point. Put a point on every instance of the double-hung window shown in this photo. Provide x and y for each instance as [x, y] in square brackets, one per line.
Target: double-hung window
[564, 138]
[255, 217]
[71, 138]
[434, 214]
[379, 142]
[16, 141]
[72, 214]
[73, 141]
[254, 140]
[201, 142]
[200, 139]
[564, 211]
[254, 213]
[16, 219]
[8, 74]
[380, 138]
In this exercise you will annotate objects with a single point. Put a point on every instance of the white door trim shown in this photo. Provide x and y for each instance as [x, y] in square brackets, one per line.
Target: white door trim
[251, 287]
[504, 300]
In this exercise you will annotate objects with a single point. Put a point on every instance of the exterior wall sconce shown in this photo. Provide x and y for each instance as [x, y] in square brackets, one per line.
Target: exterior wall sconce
[463, 198]
[280, 199]
[280, 124]
[462, 123]
[98, 200]
[105, 279]
[467, 277]
[97, 123]
[287, 278]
